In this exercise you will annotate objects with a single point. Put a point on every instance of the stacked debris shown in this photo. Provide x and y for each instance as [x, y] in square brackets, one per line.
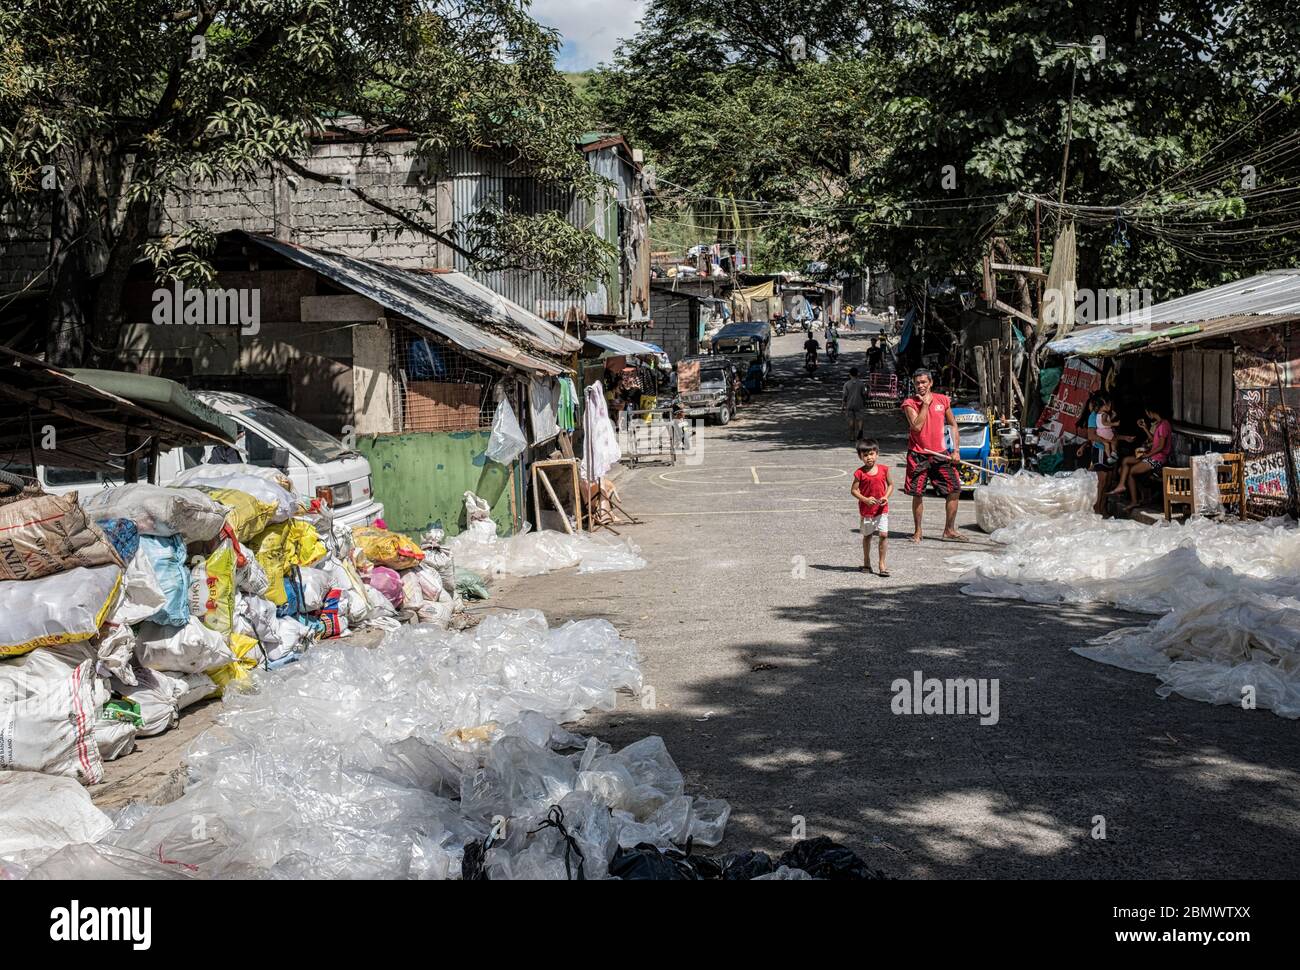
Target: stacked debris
[121, 614]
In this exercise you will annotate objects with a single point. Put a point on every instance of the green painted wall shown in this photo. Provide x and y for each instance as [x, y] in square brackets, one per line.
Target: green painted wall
[422, 477]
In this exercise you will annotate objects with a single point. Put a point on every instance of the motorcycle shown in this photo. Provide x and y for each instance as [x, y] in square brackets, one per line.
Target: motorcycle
[833, 351]
[810, 362]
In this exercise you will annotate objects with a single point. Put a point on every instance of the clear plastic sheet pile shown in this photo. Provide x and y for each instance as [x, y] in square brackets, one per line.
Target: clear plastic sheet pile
[1228, 596]
[1008, 499]
[385, 763]
[533, 553]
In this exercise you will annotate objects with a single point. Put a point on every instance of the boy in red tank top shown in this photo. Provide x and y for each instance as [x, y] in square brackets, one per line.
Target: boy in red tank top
[872, 488]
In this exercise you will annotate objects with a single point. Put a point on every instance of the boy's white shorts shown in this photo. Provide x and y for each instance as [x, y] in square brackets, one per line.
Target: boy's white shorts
[874, 524]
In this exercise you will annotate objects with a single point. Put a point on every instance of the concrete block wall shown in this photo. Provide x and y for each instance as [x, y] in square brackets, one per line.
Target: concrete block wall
[24, 244]
[675, 318]
[326, 215]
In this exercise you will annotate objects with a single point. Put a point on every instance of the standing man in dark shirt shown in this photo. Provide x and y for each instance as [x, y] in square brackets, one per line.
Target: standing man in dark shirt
[875, 355]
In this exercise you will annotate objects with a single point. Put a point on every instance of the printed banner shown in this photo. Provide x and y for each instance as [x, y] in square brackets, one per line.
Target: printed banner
[1080, 378]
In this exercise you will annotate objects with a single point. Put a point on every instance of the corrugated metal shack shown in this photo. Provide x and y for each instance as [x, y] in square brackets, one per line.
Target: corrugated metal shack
[1225, 364]
[409, 363]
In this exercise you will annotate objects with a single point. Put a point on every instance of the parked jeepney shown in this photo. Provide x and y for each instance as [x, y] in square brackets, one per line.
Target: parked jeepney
[706, 388]
[743, 343]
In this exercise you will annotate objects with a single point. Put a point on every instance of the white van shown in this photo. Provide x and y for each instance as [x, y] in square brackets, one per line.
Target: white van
[319, 465]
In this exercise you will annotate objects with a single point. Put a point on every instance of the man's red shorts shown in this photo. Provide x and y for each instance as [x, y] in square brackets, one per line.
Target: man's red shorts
[940, 473]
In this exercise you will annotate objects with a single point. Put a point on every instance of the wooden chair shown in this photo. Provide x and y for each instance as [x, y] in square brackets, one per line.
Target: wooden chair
[1232, 483]
[1179, 489]
[1177, 484]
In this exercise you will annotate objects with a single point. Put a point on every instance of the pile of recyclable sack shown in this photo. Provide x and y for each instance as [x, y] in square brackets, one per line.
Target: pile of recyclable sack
[435, 755]
[1228, 596]
[121, 613]
[1008, 499]
[479, 548]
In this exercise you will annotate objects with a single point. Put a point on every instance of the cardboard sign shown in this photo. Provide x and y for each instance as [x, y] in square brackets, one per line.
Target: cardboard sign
[688, 376]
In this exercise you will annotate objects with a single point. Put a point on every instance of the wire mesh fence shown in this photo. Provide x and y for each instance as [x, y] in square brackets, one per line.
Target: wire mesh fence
[437, 387]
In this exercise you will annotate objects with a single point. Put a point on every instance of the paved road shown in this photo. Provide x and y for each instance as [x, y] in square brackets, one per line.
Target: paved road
[771, 659]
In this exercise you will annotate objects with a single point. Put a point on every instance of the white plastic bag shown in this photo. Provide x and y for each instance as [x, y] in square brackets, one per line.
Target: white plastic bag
[188, 649]
[507, 441]
[159, 511]
[153, 691]
[114, 738]
[261, 483]
[1205, 483]
[143, 594]
[44, 813]
[47, 717]
[62, 608]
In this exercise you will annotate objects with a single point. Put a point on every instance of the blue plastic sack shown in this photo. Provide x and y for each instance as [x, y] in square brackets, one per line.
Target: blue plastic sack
[123, 534]
[166, 554]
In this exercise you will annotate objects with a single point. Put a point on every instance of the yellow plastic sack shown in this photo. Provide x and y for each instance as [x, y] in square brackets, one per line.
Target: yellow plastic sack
[384, 548]
[247, 515]
[281, 547]
[212, 588]
[236, 672]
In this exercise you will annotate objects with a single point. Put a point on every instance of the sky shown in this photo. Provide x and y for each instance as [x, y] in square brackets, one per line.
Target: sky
[591, 28]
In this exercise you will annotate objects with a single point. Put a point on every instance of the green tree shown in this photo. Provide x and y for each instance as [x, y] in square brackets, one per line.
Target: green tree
[914, 134]
[106, 105]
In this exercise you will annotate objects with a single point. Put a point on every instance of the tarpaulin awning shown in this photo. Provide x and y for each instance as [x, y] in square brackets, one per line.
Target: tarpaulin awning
[618, 344]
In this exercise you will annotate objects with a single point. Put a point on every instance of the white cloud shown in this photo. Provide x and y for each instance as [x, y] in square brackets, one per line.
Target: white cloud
[591, 28]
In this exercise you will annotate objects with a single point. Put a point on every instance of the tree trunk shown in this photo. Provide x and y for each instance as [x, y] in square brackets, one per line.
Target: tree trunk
[131, 235]
[71, 237]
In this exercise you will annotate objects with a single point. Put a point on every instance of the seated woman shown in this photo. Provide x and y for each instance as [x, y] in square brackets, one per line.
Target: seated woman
[1146, 460]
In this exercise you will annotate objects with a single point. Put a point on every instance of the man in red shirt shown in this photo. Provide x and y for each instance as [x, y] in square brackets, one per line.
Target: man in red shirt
[926, 414]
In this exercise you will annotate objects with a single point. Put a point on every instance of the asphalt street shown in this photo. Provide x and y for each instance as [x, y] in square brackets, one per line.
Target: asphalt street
[770, 657]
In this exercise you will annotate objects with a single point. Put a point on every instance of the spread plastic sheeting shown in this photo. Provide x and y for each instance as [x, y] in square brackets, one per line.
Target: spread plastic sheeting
[46, 812]
[532, 553]
[1007, 499]
[1228, 595]
[389, 762]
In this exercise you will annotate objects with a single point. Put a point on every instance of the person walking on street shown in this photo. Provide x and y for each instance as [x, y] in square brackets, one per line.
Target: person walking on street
[854, 403]
[927, 413]
[872, 488]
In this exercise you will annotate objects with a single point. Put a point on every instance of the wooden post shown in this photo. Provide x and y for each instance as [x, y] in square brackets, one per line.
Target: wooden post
[153, 460]
[132, 473]
[555, 499]
[982, 376]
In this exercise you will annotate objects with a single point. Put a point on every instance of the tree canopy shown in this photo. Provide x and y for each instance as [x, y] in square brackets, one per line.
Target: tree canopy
[105, 105]
[910, 135]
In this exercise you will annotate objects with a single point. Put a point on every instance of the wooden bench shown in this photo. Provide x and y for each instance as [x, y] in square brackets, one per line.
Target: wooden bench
[1179, 490]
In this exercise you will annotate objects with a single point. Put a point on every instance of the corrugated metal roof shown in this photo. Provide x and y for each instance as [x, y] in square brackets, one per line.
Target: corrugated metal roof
[620, 344]
[1263, 300]
[449, 304]
[1273, 293]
